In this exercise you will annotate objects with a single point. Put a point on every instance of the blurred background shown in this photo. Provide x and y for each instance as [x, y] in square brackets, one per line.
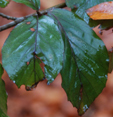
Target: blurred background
[50, 100]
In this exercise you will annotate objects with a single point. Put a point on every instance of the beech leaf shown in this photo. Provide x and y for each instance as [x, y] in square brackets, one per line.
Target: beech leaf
[34, 4]
[4, 3]
[101, 11]
[29, 44]
[85, 63]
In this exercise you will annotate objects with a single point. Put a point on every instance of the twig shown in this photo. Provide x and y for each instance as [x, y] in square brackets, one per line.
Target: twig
[7, 17]
[57, 6]
[20, 19]
[13, 23]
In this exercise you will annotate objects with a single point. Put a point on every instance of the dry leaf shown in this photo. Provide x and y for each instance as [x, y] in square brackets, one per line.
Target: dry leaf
[101, 11]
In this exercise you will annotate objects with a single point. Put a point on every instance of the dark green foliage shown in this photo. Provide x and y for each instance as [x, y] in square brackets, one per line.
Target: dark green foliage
[85, 64]
[3, 3]
[103, 24]
[65, 43]
[110, 52]
[3, 96]
[48, 45]
[34, 4]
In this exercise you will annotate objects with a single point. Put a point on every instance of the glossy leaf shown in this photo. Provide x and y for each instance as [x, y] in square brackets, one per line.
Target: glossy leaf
[34, 4]
[19, 49]
[3, 96]
[73, 3]
[4, 3]
[85, 64]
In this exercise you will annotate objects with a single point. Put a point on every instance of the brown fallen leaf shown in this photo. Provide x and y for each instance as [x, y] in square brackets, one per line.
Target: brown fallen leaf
[101, 11]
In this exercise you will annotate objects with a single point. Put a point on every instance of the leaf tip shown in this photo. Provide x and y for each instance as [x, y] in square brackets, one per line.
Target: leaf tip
[83, 108]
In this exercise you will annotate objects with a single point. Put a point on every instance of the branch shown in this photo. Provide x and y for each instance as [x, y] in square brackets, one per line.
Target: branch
[20, 19]
[7, 17]
[51, 8]
[13, 23]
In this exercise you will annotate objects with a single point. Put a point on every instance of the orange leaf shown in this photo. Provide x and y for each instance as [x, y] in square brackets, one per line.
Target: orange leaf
[101, 11]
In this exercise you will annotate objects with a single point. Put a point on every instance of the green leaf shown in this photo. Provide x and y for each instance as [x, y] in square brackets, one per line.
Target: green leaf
[104, 24]
[84, 5]
[34, 4]
[85, 64]
[20, 46]
[110, 52]
[72, 3]
[4, 3]
[3, 96]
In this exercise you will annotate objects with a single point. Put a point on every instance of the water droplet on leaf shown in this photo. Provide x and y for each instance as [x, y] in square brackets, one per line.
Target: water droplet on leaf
[52, 79]
[107, 60]
[13, 81]
[85, 107]
[48, 83]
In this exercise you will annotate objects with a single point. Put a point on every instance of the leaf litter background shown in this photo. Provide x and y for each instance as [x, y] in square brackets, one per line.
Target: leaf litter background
[51, 101]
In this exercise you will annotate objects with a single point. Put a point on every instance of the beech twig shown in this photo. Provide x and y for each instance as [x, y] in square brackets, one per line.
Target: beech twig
[7, 17]
[20, 19]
